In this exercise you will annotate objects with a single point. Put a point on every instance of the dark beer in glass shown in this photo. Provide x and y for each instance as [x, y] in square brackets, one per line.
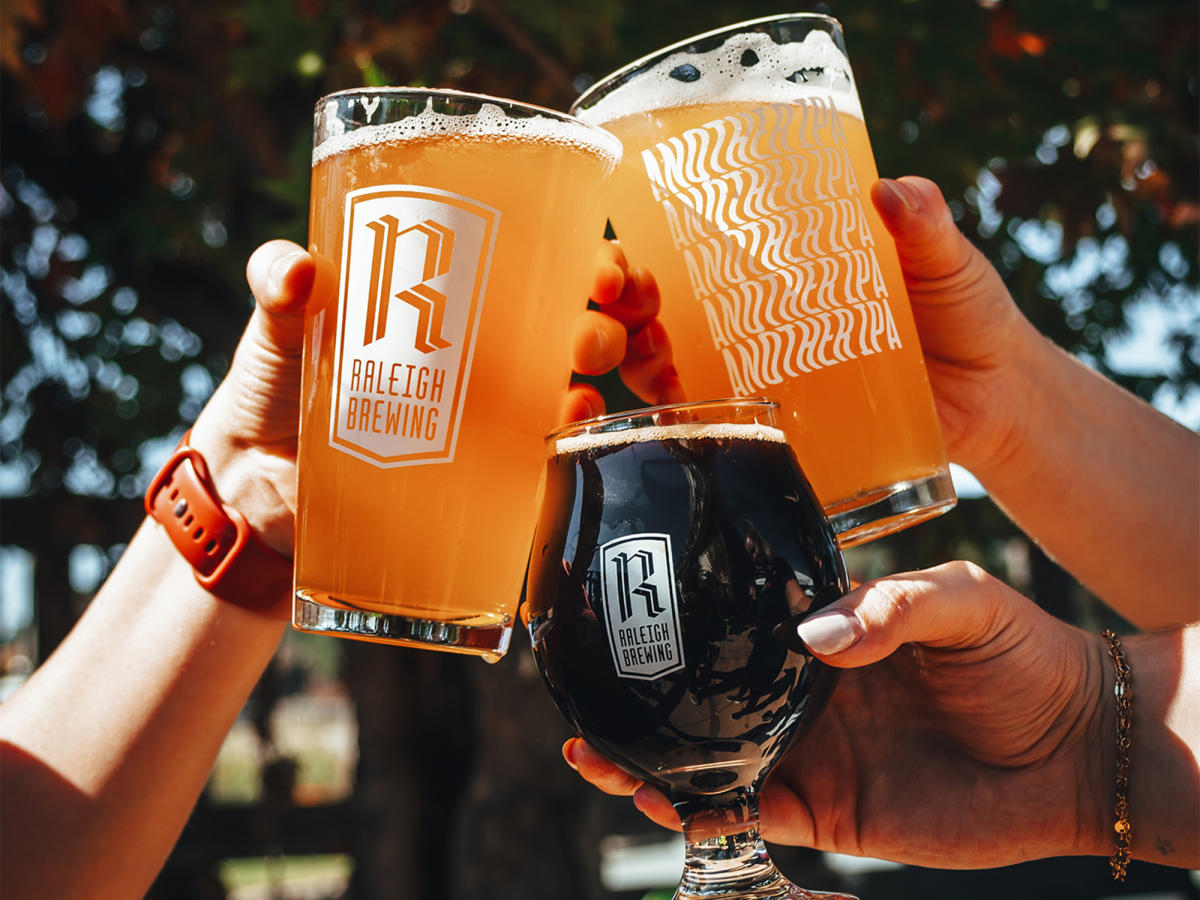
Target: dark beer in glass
[671, 542]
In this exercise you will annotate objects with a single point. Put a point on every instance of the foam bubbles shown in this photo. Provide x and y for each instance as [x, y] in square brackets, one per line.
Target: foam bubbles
[490, 121]
[684, 431]
[748, 68]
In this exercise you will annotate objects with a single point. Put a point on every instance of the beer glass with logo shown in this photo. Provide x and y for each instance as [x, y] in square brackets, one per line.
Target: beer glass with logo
[744, 187]
[672, 541]
[459, 232]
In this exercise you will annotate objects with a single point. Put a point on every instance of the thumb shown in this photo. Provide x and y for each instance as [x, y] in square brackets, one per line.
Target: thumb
[281, 276]
[955, 605]
[929, 244]
[258, 399]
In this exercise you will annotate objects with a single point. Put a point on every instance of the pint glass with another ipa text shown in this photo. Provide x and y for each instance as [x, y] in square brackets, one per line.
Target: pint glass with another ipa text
[745, 188]
[460, 231]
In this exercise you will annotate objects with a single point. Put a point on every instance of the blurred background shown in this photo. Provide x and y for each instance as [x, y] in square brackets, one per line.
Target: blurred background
[147, 146]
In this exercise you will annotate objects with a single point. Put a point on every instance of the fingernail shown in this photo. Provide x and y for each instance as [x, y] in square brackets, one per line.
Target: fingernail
[897, 190]
[280, 269]
[830, 632]
[600, 339]
[570, 753]
[642, 798]
[644, 344]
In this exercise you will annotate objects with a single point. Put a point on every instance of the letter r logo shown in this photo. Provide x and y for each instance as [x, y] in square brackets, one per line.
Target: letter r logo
[637, 583]
[429, 302]
[645, 589]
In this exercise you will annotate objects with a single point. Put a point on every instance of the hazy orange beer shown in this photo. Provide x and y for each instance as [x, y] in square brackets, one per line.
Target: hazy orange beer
[461, 230]
[744, 187]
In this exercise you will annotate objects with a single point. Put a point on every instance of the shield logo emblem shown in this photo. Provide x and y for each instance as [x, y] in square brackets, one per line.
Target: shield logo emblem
[415, 270]
[641, 606]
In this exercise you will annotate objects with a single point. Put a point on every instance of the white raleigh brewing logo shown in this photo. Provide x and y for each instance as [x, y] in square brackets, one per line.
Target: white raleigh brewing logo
[641, 610]
[415, 271]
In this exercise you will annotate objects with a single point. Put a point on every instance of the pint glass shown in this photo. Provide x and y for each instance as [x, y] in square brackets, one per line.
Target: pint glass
[460, 232]
[744, 187]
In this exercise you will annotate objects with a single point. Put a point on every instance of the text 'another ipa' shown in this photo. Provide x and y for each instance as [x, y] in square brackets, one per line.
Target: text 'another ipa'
[461, 231]
[745, 189]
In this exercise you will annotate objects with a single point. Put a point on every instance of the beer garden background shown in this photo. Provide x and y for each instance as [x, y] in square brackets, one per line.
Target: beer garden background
[148, 147]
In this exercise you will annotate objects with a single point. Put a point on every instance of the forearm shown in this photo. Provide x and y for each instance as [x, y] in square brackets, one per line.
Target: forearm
[1105, 484]
[1164, 756]
[111, 741]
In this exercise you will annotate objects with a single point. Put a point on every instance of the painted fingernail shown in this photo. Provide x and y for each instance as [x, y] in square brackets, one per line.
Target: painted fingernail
[830, 632]
[785, 633]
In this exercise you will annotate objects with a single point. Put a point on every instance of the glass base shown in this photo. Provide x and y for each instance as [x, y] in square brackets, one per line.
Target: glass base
[887, 510]
[488, 640]
[782, 889]
[732, 865]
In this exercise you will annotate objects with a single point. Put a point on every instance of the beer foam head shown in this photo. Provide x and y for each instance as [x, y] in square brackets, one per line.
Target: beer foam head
[490, 120]
[749, 67]
[685, 431]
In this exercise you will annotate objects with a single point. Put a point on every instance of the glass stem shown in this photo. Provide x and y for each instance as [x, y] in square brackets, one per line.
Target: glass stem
[725, 855]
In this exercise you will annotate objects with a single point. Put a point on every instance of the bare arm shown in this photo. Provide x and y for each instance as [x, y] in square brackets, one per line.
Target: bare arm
[1164, 771]
[107, 746]
[1108, 486]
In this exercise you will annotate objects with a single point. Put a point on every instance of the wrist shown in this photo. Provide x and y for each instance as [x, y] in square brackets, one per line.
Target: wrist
[1015, 417]
[228, 558]
[1095, 751]
[245, 477]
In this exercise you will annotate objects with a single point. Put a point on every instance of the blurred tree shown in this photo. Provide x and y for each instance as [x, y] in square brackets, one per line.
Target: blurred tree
[148, 145]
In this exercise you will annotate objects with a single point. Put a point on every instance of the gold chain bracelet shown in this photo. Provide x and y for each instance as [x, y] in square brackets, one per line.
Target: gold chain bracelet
[1123, 690]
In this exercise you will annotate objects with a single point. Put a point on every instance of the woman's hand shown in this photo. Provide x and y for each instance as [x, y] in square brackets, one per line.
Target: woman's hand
[972, 333]
[247, 430]
[968, 730]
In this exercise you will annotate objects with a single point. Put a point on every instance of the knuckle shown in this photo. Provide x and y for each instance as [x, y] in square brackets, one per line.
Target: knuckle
[895, 600]
[969, 571]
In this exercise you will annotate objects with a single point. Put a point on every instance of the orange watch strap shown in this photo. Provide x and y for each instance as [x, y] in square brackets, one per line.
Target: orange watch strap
[228, 559]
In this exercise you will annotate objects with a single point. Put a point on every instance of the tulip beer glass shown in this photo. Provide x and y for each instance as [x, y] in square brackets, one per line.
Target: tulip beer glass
[744, 187]
[671, 543]
[459, 231]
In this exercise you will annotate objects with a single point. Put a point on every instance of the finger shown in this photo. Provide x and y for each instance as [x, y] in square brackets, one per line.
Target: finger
[638, 302]
[611, 268]
[931, 248]
[649, 367]
[954, 605]
[583, 401]
[598, 771]
[610, 779]
[598, 345]
[282, 277]
[655, 806]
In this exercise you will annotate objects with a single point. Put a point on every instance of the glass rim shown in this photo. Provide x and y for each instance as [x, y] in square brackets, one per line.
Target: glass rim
[567, 118]
[609, 82]
[604, 423]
